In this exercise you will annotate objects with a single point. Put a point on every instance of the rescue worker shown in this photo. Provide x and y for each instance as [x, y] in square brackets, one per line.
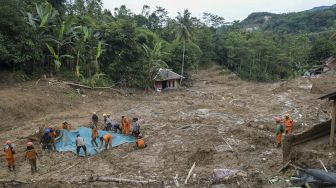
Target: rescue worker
[140, 143]
[53, 136]
[66, 125]
[136, 127]
[9, 155]
[109, 122]
[95, 119]
[278, 131]
[107, 138]
[31, 155]
[80, 144]
[46, 140]
[105, 118]
[288, 122]
[94, 136]
[125, 125]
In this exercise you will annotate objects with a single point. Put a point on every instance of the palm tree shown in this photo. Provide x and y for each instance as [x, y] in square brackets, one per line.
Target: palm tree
[183, 33]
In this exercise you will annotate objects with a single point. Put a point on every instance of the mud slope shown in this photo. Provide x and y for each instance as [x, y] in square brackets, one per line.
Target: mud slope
[181, 127]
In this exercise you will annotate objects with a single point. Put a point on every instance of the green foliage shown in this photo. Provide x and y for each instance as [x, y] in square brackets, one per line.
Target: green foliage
[71, 95]
[21, 76]
[81, 41]
[97, 80]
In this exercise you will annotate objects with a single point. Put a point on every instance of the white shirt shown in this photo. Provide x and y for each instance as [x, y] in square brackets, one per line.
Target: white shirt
[80, 141]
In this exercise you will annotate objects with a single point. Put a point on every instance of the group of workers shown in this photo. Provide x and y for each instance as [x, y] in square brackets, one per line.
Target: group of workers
[30, 154]
[48, 139]
[283, 126]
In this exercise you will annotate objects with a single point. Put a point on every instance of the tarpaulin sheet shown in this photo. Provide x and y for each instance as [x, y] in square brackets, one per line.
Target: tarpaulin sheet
[66, 140]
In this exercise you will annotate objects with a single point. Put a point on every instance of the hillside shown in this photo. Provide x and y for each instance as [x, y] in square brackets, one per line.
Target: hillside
[314, 20]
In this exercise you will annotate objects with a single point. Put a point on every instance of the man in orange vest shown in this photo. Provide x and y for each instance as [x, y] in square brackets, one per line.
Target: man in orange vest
[9, 155]
[288, 122]
[107, 138]
[278, 131]
[125, 125]
[140, 143]
[31, 155]
[94, 136]
[66, 125]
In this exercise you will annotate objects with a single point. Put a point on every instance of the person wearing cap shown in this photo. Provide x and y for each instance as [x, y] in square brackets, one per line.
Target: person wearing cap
[278, 131]
[125, 125]
[105, 118]
[80, 144]
[288, 122]
[53, 136]
[95, 119]
[65, 125]
[107, 138]
[136, 127]
[31, 155]
[46, 140]
[140, 143]
[9, 155]
[109, 122]
[94, 136]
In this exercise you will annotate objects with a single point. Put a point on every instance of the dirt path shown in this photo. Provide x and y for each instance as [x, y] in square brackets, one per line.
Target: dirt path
[181, 127]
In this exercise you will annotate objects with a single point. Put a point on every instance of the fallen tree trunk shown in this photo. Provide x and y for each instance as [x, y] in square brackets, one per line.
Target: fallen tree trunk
[11, 181]
[111, 179]
[78, 85]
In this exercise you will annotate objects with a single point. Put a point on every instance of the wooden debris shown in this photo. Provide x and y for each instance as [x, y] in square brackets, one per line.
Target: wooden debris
[78, 85]
[37, 82]
[118, 180]
[11, 181]
[227, 143]
[323, 165]
[284, 166]
[189, 174]
[246, 182]
[176, 181]
[70, 167]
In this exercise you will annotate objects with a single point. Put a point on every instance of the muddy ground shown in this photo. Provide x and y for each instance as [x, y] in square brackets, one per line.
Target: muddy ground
[190, 125]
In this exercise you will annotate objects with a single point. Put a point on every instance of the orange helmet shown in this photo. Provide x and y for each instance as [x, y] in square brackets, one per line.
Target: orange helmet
[8, 142]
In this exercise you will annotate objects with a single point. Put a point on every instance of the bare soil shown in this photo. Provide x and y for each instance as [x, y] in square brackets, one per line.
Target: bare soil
[181, 127]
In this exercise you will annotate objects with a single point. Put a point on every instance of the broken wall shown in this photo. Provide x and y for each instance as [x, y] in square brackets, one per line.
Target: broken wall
[317, 131]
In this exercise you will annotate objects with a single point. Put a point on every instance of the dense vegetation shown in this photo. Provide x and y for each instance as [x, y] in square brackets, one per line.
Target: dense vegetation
[82, 41]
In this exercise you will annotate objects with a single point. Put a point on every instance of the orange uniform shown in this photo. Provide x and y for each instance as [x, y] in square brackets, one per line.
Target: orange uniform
[288, 122]
[9, 156]
[141, 143]
[108, 138]
[94, 133]
[66, 126]
[31, 154]
[125, 125]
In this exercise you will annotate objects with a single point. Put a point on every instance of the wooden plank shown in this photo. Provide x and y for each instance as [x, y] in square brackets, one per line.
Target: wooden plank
[332, 130]
[119, 180]
[189, 174]
[325, 169]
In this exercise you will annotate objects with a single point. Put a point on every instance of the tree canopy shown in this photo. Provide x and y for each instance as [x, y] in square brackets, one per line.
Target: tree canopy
[82, 41]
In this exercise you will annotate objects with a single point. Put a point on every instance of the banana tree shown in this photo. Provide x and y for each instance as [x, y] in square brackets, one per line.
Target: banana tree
[153, 63]
[57, 58]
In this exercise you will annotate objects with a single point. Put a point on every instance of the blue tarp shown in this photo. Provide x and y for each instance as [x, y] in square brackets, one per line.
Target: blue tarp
[66, 140]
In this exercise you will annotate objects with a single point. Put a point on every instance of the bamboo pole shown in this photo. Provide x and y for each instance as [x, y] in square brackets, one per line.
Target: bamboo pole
[333, 124]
